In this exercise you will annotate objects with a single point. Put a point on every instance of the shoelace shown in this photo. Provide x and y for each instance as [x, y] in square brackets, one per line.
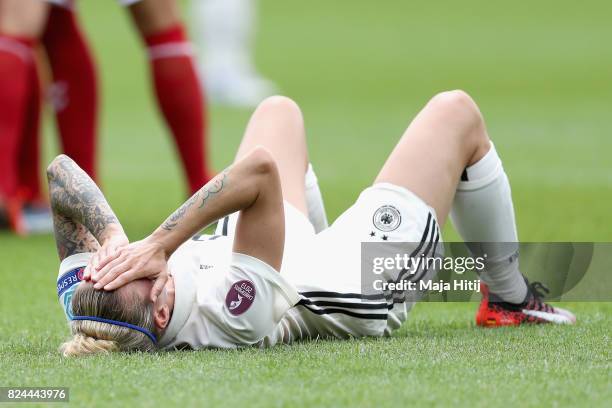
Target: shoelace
[538, 291]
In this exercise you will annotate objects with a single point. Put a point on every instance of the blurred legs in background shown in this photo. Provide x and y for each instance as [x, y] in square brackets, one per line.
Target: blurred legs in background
[225, 30]
[178, 89]
[21, 25]
[73, 92]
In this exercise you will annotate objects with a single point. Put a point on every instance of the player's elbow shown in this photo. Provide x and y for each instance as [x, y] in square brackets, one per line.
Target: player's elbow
[55, 164]
[262, 162]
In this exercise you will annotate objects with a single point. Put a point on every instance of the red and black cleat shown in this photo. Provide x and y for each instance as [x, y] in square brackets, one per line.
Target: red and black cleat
[494, 312]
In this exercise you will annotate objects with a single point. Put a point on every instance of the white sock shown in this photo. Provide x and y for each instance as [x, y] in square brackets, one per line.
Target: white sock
[314, 201]
[483, 214]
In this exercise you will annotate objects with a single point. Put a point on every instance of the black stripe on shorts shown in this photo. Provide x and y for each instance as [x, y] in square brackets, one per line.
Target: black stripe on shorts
[349, 305]
[322, 307]
[371, 316]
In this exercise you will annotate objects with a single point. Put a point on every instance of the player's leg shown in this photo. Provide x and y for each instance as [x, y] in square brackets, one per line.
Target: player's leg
[177, 86]
[29, 149]
[278, 125]
[21, 23]
[35, 215]
[446, 158]
[74, 88]
[444, 138]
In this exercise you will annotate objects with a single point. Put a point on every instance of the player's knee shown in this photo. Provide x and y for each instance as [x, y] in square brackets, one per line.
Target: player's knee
[286, 113]
[55, 164]
[458, 109]
[262, 161]
[279, 104]
[458, 106]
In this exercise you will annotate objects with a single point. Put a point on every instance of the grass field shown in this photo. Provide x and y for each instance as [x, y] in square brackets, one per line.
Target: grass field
[542, 74]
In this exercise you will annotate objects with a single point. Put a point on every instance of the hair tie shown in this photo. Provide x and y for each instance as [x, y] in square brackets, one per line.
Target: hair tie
[118, 323]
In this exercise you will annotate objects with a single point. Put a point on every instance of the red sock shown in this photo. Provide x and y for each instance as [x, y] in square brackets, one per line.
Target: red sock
[180, 99]
[74, 88]
[15, 60]
[29, 149]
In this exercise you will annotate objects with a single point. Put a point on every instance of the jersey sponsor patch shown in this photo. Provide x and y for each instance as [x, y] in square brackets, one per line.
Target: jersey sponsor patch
[387, 218]
[240, 297]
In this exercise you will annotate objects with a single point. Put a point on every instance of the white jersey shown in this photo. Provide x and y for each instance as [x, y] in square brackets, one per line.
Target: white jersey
[223, 299]
[322, 271]
[226, 300]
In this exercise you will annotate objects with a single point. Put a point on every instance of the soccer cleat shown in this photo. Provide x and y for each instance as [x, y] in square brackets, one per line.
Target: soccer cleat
[494, 312]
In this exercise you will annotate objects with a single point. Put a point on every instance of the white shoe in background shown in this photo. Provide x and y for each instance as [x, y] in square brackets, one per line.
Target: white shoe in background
[238, 89]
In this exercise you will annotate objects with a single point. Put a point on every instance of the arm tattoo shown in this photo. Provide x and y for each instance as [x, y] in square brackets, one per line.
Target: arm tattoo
[78, 206]
[216, 185]
[202, 196]
[72, 237]
[173, 220]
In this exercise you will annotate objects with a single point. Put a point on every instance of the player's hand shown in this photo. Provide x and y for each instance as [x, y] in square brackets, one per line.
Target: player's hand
[108, 250]
[144, 259]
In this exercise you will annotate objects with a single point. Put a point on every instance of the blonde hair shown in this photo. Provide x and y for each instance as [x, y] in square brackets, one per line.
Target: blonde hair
[92, 337]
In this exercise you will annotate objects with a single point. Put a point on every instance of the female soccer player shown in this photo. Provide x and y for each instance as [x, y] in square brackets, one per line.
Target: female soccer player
[172, 291]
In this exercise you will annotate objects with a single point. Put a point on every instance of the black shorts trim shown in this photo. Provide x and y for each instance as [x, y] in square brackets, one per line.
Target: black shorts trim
[370, 316]
[350, 305]
[325, 294]
[431, 235]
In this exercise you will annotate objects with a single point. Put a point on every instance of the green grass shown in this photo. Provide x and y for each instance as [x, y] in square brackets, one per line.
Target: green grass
[360, 70]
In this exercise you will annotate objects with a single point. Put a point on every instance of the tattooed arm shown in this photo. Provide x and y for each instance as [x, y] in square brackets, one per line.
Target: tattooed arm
[251, 185]
[82, 218]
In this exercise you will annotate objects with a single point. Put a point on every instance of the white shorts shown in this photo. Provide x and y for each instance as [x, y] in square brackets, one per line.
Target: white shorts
[326, 269]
